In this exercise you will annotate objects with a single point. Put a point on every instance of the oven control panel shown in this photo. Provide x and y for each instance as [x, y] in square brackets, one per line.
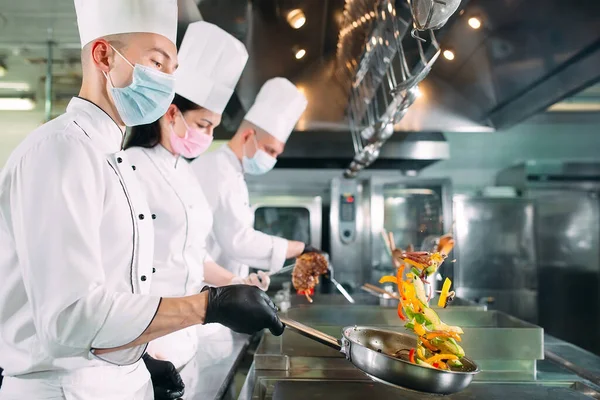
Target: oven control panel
[347, 217]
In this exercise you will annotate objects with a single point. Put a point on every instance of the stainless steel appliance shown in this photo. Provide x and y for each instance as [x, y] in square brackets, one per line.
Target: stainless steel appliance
[567, 227]
[294, 217]
[416, 211]
[496, 253]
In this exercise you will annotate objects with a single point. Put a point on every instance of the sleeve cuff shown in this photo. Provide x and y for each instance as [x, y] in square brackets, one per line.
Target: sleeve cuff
[120, 327]
[280, 247]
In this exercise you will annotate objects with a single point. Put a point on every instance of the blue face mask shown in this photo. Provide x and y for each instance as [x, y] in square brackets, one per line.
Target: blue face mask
[147, 98]
[260, 164]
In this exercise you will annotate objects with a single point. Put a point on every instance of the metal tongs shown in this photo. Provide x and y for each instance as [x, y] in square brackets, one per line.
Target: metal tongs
[337, 285]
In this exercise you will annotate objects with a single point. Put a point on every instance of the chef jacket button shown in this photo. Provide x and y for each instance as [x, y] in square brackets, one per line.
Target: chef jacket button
[153, 270]
[141, 216]
[119, 160]
[153, 216]
[133, 167]
[143, 278]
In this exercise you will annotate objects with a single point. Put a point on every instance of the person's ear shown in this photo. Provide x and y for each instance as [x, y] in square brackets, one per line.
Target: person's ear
[101, 55]
[171, 113]
[247, 135]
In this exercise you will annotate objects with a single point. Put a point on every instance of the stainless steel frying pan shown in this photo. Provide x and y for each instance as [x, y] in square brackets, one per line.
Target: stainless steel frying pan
[371, 350]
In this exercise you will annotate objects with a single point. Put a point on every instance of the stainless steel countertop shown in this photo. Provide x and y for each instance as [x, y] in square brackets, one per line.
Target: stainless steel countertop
[552, 381]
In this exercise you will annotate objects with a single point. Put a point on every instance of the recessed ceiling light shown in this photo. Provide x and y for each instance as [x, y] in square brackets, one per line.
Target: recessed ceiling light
[16, 104]
[300, 53]
[474, 23]
[448, 55]
[296, 18]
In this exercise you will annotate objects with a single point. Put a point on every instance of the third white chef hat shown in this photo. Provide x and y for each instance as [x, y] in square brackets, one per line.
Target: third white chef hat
[99, 18]
[277, 108]
[210, 64]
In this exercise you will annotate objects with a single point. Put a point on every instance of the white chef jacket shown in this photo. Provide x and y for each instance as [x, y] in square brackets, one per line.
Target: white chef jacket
[234, 243]
[76, 244]
[182, 220]
[182, 223]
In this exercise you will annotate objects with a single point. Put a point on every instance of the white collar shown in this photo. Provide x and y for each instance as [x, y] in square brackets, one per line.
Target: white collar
[167, 158]
[97, 125]
[237, 164]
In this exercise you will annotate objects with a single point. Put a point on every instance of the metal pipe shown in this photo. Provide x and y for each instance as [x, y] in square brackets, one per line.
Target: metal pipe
[49, 64]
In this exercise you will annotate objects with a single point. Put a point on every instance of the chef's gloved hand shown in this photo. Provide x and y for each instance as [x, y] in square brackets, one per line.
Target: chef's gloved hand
[166, 381]
[243, 309]
[261, 280]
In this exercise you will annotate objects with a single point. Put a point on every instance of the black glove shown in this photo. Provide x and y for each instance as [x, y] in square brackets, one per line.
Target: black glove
[243, 309]
[166, 381]
[310, 249]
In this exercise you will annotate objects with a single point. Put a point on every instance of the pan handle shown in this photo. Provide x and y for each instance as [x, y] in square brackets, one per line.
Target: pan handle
[312, 333]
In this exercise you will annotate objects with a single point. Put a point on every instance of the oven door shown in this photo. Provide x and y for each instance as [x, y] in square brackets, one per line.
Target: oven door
[290, 217]
[416, 211]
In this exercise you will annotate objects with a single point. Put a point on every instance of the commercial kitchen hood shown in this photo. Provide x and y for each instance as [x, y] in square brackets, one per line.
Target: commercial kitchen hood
[526, 56]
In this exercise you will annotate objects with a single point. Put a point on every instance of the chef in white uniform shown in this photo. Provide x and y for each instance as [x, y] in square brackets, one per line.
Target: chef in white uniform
[76, 233]
[210, 64]
[254, 149]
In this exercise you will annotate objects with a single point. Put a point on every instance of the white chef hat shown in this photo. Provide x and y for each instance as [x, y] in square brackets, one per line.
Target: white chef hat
[277, 108]
[210, 64]
[99, 18]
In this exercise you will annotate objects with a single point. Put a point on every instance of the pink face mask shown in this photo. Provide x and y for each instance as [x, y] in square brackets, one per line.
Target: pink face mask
[194, 143]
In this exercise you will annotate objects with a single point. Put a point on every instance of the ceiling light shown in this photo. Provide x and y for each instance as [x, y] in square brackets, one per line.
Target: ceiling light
[448, 55]
[296, 18]
[363, 19]
[390, 7]
[575, 107]
[474, 23]
[355, 24]
[380, 40]
[300, 53]
[18, 86]
[16, 104]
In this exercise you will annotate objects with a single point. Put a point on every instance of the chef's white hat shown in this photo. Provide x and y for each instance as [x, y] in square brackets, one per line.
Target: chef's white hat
[210, 64]
[277, 108]
[99, 18]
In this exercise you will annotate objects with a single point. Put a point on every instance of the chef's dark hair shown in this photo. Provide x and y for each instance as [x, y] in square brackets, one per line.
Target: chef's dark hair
[148, 135]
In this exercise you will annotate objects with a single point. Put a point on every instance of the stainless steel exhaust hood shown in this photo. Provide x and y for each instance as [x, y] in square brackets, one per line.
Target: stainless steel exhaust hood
[525, 56]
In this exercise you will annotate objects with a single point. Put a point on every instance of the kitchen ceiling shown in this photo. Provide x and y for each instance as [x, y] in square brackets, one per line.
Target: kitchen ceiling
[526, 56]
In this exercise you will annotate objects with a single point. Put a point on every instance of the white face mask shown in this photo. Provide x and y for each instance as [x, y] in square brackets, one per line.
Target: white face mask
[260, 164]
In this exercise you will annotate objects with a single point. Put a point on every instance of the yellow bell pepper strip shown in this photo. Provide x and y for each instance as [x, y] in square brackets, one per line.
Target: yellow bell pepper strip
[419, 330]
[413, 263]
[420, 353]
[433, 335]
[411, 356]
[388, 279]
[399, 276]
[440, 357]
[443, 300]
